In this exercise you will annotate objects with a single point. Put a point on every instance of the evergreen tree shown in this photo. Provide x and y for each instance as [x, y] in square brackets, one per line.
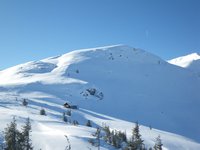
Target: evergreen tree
[137, 136]
[131, 144]
[75, 122]
[116, 139]
[12, 136]
[136, 142]
[158, 145]
[2, 142]
[24, 102]
[89, 123]
[25, 136]
[136, 133]
[122, 136]
[107, 136]
[64, 117]
[112, 138]
[69, 113]
[42, 112]
[97, 136]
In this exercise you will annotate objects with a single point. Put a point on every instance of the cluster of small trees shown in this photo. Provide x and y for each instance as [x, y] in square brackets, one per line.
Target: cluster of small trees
[93, 92]
[119, 139]
[15, 139]
[114, 137]
[66, 117]
[25, 103]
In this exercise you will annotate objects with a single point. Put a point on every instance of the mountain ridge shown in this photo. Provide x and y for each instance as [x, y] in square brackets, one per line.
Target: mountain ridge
[190, 62]
[118, 81]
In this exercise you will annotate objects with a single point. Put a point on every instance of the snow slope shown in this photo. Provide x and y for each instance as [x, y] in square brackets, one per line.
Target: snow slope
[48, 132]
[191, 62]
[119, 81]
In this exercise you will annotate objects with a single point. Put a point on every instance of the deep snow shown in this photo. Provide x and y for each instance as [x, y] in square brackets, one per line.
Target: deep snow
[191, 62]
[130, 85]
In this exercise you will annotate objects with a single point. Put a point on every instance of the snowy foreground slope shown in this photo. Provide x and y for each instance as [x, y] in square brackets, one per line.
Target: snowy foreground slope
[119, 81]
[48, 132]
[191, 62]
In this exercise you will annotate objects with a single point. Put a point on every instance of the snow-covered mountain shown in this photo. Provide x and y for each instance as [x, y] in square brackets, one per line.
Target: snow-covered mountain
[116, 85]
[191, 62]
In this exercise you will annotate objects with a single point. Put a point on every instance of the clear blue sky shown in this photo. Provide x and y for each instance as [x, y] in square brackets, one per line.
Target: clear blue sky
[36, 29]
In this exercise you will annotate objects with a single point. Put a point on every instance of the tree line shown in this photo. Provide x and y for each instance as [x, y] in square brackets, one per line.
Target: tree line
[119, 140]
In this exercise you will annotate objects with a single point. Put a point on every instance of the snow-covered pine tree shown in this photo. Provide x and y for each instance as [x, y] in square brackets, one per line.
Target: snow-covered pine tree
[43, 112]
[136, 133]
[89, 124]
[25, 136]
[137, 137]
[2, 142]
[12, 136]
[122, 136]
[24, 102]
[136, 142]
[158, 145]
[75, 122]
[107, 136]
[97, 136]
[116, 140]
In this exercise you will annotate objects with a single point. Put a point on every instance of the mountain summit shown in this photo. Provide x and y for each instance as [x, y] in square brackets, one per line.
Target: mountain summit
[119, 81]
[191, 62]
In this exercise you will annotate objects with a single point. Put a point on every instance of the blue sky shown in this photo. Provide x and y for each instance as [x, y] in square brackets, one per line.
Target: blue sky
[36, 29]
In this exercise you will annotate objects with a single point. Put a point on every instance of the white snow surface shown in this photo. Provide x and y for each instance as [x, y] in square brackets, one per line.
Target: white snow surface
[191, 62]
[130, 85]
